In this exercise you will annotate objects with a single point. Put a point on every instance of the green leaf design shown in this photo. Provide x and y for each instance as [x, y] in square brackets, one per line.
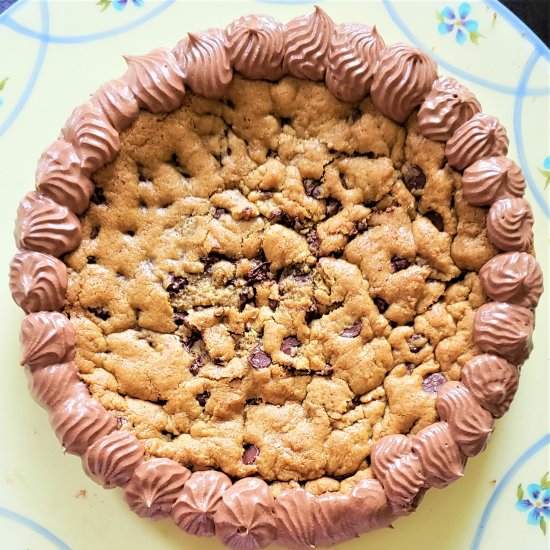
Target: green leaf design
[546, 174]
[439, 16]
[545, 482]
[3, 83]
[475, 36]
[520, 492]
[104, 4]
[542, 525]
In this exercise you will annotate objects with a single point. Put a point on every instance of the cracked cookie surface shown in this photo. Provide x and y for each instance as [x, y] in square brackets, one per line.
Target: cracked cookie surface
[268, 284]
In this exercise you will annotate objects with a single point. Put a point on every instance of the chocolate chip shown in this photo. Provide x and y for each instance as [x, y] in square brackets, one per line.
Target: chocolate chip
[100, 312]
[286, 121]
[247, 295]
[91, 259]
[211, 259]
[259, 359]
[254, 401]
[433, 382]
[361, 225]
[130, 233]
[217, 212]
[179, 318]
[273, 304]
[353, 331]
[94, 232]
[312, 188]
[410, 367]
[219, 362]
[381, 304]
[289, 344]
[196, 366]
[291, 221]
[415, 343]
[436, 218]
[312, 311]
[177, 285]
[398, 264]
[98, 196]
[414, 178]
[314, 242]
[202, 398]
[259, 271]
[251, 453]
[333, 206]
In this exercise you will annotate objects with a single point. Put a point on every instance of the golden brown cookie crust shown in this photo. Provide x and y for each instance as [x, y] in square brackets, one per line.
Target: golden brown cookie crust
[264, 283]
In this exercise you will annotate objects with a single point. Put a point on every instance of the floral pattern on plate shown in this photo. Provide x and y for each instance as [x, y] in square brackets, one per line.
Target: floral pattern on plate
[536, 501]
[119, 5]
[449, 21]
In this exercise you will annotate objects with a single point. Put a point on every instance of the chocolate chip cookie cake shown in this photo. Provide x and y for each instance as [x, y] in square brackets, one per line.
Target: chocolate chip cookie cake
[279, 281]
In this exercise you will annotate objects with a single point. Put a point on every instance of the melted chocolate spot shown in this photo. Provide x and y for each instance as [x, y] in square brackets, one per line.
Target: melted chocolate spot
[211, 259]
[254, 401]
[414, 178]
[414, 343]
[381, 304]
[196, 366]
[433, 382]
[251, 453]
[98, 196]
[247, 295]
[273, 304]
[202, 398]
[179, 318]
[353, 331]
[91, 259]
[289, 344]
[217, 212]
[361, 226]
[436, 218]
[312, 311]
[100, 312]
[258, 272]
[398, 264]
[312, 188]
[314, 242]
[259, 359]
[333, 207]
[177, 285]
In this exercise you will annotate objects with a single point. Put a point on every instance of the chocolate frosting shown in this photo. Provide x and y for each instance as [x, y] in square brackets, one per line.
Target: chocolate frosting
[244, 517]
[54, 384]
[308, 39]
[398, 469]
[112, 459]
[492, 380]
[45, 226]
[296, 514]
[353, 53]
[510, 224]
[513, 277]
[404, 77]
[95, 141]
[154, 487]
[80, 421]
[480, 137]
[488, 180]
[204, 62]
[504, 329]
[446, 107]
[38, 282]
[256, 46]
[469, 422]
[58, 176]
[439, 455]
[193, 511]
[47, 338]
[156, 80]
[118, 103]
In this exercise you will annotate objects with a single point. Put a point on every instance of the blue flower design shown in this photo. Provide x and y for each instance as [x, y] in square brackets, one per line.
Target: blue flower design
[119, 5]
[537, 502]
[465, 28]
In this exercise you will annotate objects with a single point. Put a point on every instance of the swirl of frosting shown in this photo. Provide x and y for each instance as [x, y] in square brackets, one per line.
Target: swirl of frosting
[398, 469]
[446, 107]
[469, 422]
[58, 176]
[112, 459]
[296, 513]
[47, 338]
[488, 180]
[256, 46]
[307, 44]
[513, 277]
[353, 53]
[492, 381]
[370, 504]
[193, 511]
[439, 455]
[404, 76]
[504, 329]
[510, 224]
[95, 141]
[53, 384]
[244, 517]
[119, 104]
[45, 226]
[205, 64]
[79, 422]
[154, 487]
[480, 137]
[38, 282]
[156, 80]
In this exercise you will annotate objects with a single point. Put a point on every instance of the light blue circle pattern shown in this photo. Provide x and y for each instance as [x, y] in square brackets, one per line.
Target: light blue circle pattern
[540, 51]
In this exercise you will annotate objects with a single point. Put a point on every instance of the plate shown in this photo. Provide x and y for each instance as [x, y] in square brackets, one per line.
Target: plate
[55, 53]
